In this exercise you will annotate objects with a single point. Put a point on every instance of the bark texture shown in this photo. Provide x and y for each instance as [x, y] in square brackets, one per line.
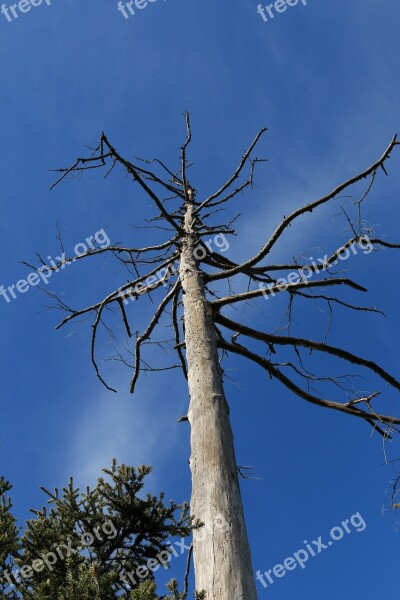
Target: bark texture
[222, 559]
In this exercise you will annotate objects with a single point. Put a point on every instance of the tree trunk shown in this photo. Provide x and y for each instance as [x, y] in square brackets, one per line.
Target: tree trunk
[222, 559]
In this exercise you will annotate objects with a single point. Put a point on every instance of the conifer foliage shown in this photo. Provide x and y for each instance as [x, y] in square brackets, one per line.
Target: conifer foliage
[85, 540]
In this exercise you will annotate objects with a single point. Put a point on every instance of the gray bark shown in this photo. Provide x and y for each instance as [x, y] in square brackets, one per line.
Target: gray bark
[222, 559]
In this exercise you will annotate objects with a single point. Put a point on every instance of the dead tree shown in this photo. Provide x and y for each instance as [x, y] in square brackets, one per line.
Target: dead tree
[190, 273]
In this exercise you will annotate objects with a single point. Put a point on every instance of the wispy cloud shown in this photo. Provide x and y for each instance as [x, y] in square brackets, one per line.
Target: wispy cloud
[124, 427]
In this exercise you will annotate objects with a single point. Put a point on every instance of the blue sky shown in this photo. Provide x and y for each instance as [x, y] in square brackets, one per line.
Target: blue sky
[324, 79]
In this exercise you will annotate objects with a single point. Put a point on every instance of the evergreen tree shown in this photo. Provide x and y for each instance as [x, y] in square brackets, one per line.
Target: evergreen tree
[9, 543]
[83, 545]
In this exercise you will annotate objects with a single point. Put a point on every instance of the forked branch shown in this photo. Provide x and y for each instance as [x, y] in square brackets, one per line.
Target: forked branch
[265, 250]
[348, 408]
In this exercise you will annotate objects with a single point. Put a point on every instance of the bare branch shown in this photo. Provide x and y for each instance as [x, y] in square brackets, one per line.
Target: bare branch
[142, 338]
[236, 174]
[135, 174]
[274, 372]
[330, 299]
[186, 186]
[304, 209]
[96, 251]
[177, 335]
[301, 342]
[93, 346]
[128, 288]
[240, 188]
[81, 161]
[187, 572]
[376, 241]
[124, 317]
[149, 175]
[273, 289]
[174, 176]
